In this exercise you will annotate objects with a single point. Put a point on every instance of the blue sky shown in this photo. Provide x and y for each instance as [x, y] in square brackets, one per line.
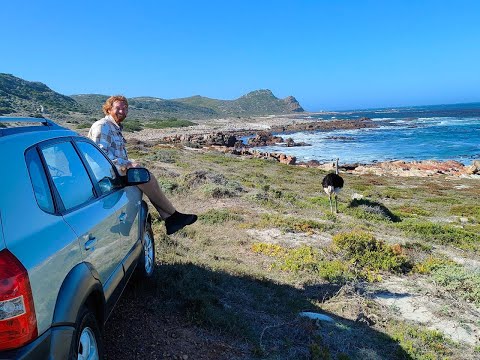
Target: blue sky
[330, 55]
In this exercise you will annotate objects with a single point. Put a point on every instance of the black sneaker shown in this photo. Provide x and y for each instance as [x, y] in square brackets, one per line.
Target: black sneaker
[178, 221]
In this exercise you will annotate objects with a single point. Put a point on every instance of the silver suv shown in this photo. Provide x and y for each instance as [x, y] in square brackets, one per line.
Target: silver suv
[72, 232]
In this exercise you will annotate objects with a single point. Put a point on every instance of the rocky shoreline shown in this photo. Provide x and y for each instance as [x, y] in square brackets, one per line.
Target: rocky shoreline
[223, 135]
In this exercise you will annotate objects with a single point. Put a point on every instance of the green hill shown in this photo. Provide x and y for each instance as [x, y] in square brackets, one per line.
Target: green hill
[18, 96]
[25, 98]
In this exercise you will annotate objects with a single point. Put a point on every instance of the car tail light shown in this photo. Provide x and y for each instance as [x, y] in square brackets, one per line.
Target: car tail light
[18, 324]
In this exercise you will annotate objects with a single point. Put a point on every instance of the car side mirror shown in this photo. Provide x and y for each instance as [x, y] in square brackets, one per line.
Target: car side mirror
[137, 176]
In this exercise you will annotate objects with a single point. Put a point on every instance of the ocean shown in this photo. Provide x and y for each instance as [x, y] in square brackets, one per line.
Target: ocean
[438, 132]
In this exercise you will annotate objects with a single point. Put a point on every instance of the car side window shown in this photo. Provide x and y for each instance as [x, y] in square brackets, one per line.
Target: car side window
[39, 181]
[103, 170]
[69, 174]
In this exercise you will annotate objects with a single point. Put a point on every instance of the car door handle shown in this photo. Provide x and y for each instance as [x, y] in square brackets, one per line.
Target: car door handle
[90, 244]
[123, 217]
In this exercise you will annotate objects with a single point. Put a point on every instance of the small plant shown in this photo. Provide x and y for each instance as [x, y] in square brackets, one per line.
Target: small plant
[369, 255]
[335, 271]
[214, 217]
[218, 191]
[167, 186]
[472, 211]
[304, 258]
[412, 211]
[163, 155]
[269, 249]
[288, 223]
[457, 279]
[430, 264]
[422, 343]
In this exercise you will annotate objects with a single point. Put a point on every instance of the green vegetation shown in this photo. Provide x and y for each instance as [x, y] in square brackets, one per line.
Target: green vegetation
[369, 255]
[289, 223]
[168, 123]
[458, 280]
[132, 125]
[214, 217]
[363, 258]
[266, 247]
[423, 344]
[472, 211]
[442, 234]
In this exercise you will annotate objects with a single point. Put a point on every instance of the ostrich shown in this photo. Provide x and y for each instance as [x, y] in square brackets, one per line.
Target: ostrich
[332, 184]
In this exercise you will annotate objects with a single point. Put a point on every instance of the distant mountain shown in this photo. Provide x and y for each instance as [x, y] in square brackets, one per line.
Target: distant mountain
[25, 98]
[259, 102]
[149, 107]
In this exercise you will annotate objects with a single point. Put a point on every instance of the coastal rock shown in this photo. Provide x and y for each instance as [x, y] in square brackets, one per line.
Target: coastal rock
[474, 168]
[414, 168]
[210, 139]
[264, 138]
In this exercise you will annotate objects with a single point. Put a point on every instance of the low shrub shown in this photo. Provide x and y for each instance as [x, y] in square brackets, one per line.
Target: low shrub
[167, 186]
[368, 254]
[472, 211]
[412, 211]
[214, 217]
[132, 126]
[288, 223]
[335, 271]
[455, 278]
[304, 258]
[269, 249]
[163, 155]
[421, 343]
[430, 264]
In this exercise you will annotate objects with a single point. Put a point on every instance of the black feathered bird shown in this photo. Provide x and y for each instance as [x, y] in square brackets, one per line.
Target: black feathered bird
[332, 184]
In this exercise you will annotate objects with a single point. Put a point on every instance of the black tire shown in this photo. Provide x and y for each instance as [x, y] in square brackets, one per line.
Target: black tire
[146, 263]
[88, 341]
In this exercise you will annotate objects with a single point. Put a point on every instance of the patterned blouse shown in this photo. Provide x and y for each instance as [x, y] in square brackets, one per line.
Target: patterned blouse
[107, 134]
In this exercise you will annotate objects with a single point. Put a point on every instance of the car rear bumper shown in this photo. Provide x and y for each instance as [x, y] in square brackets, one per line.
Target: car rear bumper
[52, 344]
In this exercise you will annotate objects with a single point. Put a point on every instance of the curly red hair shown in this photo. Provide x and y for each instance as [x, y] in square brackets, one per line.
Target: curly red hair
[109, 103]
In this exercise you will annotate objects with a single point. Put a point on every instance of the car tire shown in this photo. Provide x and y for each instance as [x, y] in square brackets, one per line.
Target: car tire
[146, 263]
[88, 342]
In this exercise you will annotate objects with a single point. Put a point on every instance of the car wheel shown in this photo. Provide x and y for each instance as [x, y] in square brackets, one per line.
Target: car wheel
[88, 343]
[147, 261]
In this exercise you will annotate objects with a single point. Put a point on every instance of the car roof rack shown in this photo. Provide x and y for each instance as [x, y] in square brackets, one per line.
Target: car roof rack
[43, 124]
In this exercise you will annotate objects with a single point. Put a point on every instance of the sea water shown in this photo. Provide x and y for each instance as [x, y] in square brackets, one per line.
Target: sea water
[440, 132]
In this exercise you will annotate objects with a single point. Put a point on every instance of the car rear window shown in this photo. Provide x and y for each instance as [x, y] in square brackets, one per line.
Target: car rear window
[39, 181]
